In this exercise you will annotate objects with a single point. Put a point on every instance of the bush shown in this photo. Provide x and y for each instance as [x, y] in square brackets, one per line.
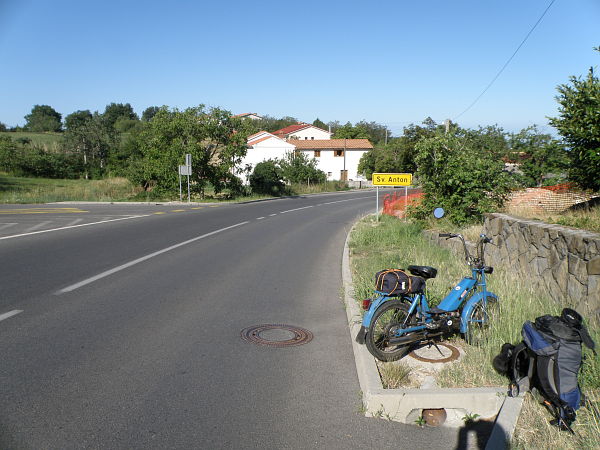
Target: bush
[299, 168]
[459, 174]
[34, 161]
[267, 179]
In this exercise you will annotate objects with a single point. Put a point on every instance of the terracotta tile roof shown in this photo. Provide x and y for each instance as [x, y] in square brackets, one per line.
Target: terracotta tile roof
[252, 136]
[331, 144]
[259, 140]
[291, 129]
[246, 114]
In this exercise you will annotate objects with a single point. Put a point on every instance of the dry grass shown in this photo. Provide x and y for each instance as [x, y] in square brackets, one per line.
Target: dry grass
[41, 190]
[585, 218]
[393, 243]
[394, 375]
[535, 432]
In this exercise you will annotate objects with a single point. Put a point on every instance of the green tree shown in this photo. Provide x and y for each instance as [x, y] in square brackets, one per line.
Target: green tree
[77, 119]
[377, 133]
[320, 124]
[215, 139]
[43, 118]
[118, 111]
[579, 125]
[349, 132]
[267, 179]
[149, 113]
[459, 175]
[540, 155]
[270, 124]
[398, 156]
[297, 167]
[3, 127]
[93, 140]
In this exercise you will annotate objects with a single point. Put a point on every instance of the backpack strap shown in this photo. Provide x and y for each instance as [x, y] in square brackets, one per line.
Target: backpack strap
[379, 281]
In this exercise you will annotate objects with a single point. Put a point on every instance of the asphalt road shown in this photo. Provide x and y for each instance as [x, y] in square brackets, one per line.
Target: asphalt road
[122, 330]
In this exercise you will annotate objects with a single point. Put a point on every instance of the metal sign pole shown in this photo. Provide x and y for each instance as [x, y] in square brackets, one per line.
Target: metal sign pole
[180, 197]
[188, 177]
[405, 201]
[377, 205]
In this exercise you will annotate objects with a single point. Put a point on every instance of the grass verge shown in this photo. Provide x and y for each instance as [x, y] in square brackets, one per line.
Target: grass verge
[43, 190]
[581, 218]
[391, 243]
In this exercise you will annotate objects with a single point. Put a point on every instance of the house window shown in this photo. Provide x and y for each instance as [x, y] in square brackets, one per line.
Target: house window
[312, 137]
[338, 153]
[329, 174]
[305, 138]
[317, 153]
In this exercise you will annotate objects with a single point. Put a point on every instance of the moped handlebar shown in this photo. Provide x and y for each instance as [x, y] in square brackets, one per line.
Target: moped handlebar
[478, 259]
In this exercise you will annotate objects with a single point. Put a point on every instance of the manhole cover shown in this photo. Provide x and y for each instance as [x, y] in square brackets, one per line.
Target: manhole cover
[431, 354]
[276, 335]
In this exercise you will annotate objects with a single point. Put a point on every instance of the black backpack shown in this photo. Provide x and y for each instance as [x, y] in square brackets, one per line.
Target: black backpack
[548, 360]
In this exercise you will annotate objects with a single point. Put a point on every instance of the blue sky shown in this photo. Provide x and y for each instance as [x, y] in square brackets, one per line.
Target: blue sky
[392, 62]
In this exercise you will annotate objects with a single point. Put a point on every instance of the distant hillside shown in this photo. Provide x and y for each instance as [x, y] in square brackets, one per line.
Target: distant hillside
[51, 141]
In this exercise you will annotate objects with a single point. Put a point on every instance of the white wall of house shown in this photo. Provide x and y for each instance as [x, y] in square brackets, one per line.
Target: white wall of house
[270, 148]
[333, 165]
[311, 133]
[263, 146]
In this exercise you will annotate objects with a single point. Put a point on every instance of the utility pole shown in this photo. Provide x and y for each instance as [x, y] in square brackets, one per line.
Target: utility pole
[447, 123]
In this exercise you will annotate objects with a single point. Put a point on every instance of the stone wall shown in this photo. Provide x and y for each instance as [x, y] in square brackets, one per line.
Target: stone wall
[564, 262]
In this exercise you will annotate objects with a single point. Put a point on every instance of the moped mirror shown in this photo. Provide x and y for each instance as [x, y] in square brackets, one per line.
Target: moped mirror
[438, 213]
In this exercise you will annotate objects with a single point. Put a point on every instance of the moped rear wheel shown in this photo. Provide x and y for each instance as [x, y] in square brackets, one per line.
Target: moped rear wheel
[391, 314]
[479, 320]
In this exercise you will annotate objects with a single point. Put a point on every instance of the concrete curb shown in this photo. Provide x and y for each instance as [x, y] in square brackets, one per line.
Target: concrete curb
[406, 405]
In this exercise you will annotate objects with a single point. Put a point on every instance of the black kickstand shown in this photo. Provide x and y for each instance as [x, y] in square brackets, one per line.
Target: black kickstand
[432, 342]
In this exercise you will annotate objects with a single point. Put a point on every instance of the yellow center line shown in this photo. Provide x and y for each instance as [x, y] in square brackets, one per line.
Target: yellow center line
[160, 212]
[178, 210]
[198, 207]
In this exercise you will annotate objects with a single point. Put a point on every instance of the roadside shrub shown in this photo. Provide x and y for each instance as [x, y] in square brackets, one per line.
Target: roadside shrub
[460, 174]
[36, 162]
[267, 179]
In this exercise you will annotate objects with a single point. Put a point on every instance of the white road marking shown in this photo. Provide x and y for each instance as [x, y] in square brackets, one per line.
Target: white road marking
[271, 215]
[39, 225]
[347, 200]
[295, 209]
[72, 226]
[10, 314]
[6, 225]
[142, 259]
[259, 218]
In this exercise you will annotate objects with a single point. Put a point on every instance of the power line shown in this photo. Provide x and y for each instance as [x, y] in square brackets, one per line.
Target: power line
[507, 62]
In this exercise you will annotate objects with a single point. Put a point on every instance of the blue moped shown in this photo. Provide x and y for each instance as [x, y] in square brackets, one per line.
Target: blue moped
[394, 324]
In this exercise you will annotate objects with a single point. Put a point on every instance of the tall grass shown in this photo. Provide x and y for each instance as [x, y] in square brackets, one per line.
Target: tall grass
[41, 190]
[328, 186]
[583, 218]
[392, 243]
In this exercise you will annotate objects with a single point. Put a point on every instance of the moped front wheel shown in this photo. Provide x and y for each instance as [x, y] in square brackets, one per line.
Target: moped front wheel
[480, 319]
[391, 315]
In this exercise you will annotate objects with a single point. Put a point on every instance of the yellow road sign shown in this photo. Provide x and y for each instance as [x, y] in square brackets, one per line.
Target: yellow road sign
[392, 179]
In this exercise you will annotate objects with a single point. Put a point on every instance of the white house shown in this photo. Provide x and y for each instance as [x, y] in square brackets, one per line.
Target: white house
[338, 158]
[261, 147]
[304, 131]
[252, 116]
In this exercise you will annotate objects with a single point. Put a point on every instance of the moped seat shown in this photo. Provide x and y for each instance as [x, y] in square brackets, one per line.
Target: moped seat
[423, 271]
